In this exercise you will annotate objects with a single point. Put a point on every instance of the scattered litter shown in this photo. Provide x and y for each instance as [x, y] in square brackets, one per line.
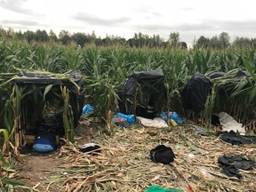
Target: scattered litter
[158, 188]
[177, 118]
[172, 123]
[131, 119]
[237, 139]
[228, 124]
[45, 143]
[205, 173]
[162, 154]
[231, 164]
[90, 148]
[156, 122]
[172, 116]
[200, 130]
[88, 109]
[121, 122]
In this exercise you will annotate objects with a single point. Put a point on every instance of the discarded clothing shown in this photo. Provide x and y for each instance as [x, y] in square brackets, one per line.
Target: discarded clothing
[237, 139]
[162, 154]
[156, 122]
[231, 164]
[158, 188]
[195, 93]
[90, 148]
[228, 124]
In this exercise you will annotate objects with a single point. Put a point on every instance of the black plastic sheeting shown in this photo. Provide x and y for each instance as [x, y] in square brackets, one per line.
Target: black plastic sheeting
[214, 75]
[195, 93]
[231, 164]
[143, 94]
[237, 139]
[162, 154]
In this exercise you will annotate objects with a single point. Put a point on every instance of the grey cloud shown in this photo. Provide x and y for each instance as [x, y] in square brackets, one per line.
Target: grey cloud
[20, 22]
[207, 26]
[93, 20]
[16, 6]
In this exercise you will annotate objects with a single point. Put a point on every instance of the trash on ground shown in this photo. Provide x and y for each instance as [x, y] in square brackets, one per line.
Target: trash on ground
[87, 110]
[237, 139]
[199, 130]
[130, 119]
[195, 93]
[90, 148]
[120, 122]
[45, 143]
[158, 188]
[143, 94]
[205, 173]
[172, 116]
[156, 122]
[228, 124]
[162, 154]
[231, 164]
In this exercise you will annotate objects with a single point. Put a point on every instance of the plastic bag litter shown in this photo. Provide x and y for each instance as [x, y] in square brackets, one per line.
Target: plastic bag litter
[156, 122]
[158, 188]
[228, 124]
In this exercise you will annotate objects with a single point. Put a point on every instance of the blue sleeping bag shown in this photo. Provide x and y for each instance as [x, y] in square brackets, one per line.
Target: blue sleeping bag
[45, 143]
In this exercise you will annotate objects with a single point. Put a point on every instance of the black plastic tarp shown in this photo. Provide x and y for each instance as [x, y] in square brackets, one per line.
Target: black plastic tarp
[195, 92]
[143, 94]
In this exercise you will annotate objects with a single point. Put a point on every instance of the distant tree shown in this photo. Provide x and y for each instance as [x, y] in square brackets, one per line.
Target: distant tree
[224, 40]
[52, 36]
[64, 37]
[183, 45]
[41, 36]
[242, 42]
[79, 38]
[174, 39]
[215, 43]
[202, 42]
[29, 36]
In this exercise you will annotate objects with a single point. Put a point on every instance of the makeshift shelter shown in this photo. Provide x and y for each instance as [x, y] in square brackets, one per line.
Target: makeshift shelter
[38, 102]
[143, 94]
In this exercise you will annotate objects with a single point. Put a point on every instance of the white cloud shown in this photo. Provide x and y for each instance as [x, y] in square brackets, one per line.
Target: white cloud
[189, 17]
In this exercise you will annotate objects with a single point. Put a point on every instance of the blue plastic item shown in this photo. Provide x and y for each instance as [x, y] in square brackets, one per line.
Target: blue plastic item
[131, 119]
[88, 109]
[164, 116]
[45, 143]
[176, 117]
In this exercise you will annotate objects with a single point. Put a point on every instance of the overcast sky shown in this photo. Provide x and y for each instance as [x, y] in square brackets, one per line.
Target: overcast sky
[191, 18]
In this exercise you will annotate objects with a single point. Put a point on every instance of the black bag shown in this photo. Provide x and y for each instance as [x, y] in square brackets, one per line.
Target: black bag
[143, 94]
[195, 93]
[162, 154]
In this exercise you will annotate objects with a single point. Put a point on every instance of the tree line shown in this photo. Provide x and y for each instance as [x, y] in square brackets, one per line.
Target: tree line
[138, 40]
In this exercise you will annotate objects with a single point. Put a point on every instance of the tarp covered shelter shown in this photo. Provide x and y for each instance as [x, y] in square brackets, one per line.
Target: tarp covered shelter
[143, 94]
[41, 102]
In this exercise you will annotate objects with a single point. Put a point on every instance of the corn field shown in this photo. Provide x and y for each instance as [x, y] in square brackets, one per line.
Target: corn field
[105, 69]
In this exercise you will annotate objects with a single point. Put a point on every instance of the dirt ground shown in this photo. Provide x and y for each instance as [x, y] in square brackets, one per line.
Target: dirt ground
[124, 163]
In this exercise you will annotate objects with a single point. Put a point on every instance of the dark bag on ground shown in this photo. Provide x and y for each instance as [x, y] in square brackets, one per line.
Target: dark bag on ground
[162, 154]
[143, 94]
